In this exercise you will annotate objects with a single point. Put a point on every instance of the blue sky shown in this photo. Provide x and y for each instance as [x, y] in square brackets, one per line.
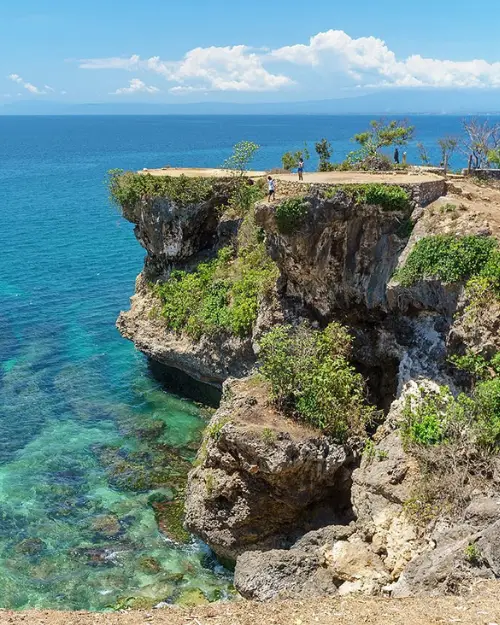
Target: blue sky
[195, 50]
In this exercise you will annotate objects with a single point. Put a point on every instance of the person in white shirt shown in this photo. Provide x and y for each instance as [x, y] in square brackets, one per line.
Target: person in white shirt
[271, 183]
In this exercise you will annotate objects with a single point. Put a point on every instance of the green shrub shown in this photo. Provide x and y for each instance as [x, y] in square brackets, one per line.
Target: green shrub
[473, 555]
[389, 197]
[424, 418]
[477, 365]
[268, 436]
[467, 422]
[310, 377]
[128, 188]
[290, 214]
[448, 258]
[223, 294]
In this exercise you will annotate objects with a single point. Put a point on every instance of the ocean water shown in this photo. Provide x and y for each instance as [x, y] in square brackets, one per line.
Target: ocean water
[86, 434]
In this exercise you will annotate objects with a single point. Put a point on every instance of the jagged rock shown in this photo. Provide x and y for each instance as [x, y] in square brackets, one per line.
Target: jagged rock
[354, 562]
[322, 562]
[255, 492]
[264, 575]
[209, 360]
[171, 233]
[342, 257]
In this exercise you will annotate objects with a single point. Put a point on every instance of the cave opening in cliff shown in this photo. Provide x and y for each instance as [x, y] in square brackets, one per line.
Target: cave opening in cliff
[179, 383]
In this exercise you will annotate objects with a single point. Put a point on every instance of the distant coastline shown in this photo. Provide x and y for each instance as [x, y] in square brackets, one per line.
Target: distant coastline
[389, 102]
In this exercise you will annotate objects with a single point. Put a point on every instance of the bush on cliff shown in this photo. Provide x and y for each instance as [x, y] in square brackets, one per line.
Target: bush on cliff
[389, 197]
[311, 378]
[128, 188]
[451, 258]
[220, 295]
[290, 214]
[454, 440]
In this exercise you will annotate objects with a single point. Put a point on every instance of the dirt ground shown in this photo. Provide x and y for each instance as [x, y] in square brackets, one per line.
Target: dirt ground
[333, 177]
[481, 607]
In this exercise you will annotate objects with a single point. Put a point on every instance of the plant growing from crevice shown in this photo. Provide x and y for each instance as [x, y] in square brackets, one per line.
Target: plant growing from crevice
[221, 295]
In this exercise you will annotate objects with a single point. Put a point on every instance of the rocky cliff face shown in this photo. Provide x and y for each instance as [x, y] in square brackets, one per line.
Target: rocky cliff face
[301, 515]
[262, 480]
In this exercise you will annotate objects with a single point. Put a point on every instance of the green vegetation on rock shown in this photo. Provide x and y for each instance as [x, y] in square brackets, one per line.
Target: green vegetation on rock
[471, 422]
[311, 378]
[389, 197]
[290, 214]
[451, 258]
[220, 295]
[128, 188]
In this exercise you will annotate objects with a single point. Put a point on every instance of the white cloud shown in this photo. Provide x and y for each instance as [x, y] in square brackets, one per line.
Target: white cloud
[362, 62]
[369, 62]
[29, 86]
[113, 62]
[230, 68]
[136, 86]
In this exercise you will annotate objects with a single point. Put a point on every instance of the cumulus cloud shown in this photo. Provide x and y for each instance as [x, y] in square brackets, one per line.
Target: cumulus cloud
[30, 86]
[136, 86]
[362, 62]
[368, 61]
[230, 68]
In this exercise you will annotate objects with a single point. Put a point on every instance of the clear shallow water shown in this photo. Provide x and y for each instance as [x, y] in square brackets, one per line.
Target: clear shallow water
[76, 467]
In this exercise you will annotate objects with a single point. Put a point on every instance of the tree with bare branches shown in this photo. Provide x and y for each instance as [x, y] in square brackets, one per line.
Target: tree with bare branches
[447, 145]
[481, 138]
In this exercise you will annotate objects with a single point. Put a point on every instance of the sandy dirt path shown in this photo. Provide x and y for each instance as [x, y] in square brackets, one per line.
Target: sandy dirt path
[332, 177]
[481, 607]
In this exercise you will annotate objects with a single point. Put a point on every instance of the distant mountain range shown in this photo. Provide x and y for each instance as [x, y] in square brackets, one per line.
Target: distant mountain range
[414, 101]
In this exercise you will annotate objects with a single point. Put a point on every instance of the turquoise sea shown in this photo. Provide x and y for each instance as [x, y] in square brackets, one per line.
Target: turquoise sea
[87, 436]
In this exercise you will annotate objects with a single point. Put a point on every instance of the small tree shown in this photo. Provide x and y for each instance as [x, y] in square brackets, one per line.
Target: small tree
[290, 160]
[324, 151]
[447, 145]
[494, 157]
[243, 154]
[481, 138]
[422, 152]
[384, 134]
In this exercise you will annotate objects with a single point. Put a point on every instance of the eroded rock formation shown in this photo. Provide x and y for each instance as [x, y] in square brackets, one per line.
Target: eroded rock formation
[301, 515]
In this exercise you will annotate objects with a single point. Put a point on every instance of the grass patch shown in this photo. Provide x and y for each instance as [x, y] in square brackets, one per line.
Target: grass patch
[311, 378]
[451, 258]
[389, 197]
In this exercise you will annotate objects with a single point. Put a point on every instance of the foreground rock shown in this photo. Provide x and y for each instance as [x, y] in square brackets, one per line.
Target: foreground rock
[262, 481]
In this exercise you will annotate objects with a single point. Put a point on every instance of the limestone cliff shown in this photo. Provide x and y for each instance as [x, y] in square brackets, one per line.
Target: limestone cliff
[300, 514]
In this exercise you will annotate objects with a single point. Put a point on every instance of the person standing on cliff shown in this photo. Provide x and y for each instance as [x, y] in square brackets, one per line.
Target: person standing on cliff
[300, 169]
[272, 188]
[396, 156]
